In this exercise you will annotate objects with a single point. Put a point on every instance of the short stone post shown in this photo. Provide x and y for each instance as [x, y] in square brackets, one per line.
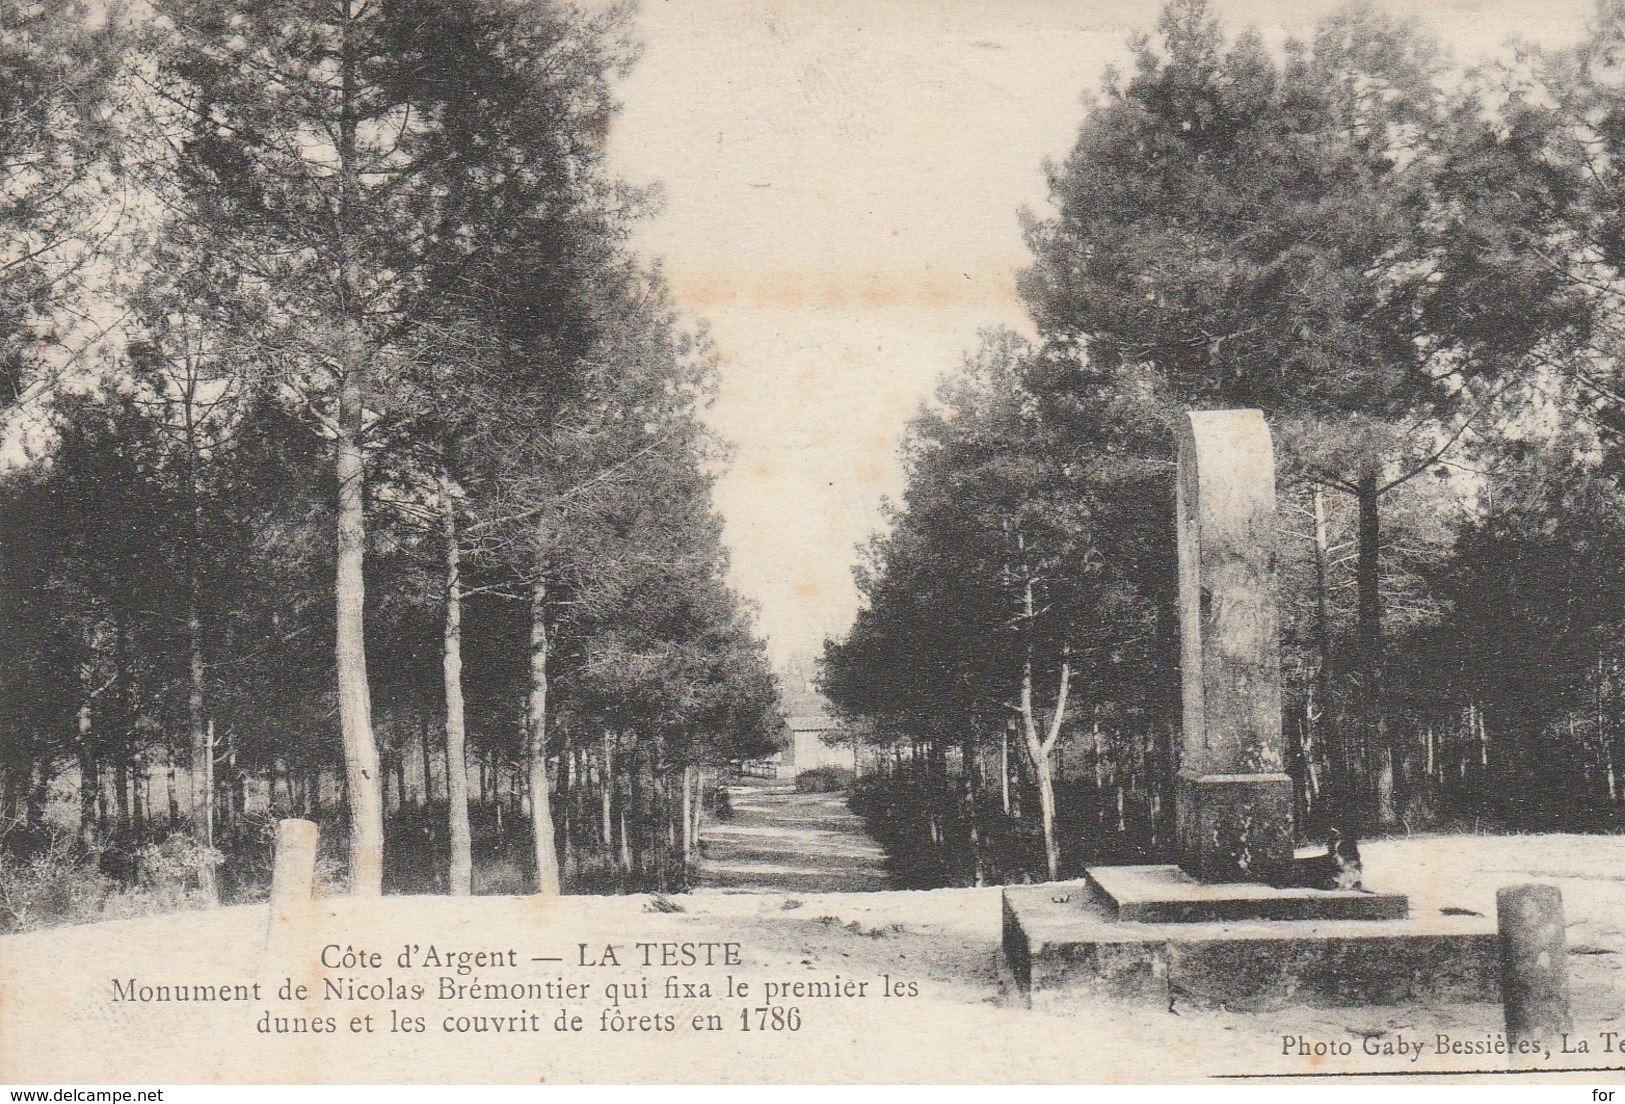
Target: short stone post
[293, 879]
[1534, 965]
[1232, 795]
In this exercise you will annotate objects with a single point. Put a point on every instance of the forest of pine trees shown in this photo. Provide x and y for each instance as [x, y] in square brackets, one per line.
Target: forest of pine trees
[354, 467]
[354, 463]
[1415, 270]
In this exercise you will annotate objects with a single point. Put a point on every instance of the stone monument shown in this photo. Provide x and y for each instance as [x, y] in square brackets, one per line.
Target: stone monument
[1232, 797]
[1231, 792]
[1228, 916]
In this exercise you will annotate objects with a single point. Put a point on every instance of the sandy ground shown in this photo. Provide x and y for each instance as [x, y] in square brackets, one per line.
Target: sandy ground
[935, 1004]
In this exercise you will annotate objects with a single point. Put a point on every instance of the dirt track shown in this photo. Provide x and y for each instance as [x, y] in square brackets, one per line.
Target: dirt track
[780, 841]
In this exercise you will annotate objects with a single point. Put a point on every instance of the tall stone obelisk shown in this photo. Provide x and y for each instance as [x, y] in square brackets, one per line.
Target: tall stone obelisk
[1232, 797]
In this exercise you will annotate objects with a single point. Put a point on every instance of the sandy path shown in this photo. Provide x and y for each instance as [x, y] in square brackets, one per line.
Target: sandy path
[780, 841]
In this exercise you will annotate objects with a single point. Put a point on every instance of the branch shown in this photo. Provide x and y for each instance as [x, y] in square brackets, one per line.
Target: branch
[1056, 721]
[1450, 443]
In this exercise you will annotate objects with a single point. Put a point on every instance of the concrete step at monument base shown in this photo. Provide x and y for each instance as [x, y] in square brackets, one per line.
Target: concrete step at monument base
[1062, 945]
[1166, 894]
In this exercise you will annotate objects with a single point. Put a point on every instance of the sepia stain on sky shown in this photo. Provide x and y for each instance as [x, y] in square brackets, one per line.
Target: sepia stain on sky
[841, 183]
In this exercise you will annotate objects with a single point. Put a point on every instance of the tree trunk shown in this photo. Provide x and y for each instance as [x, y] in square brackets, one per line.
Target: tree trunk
[355, 696]
[361, 766]
[197, 727]
[967, 756]
[1039, 747]
[121, 789]
[236, 783]
[362, 784]
[196, 714]
[461, 880]
[698, 810]
[1038, 751]
[16, 782]
[568, 785]
[1323, 621]
[138, 794]
[541, 805]
[423, 761]
[121, 714]
[626, 845]
[1004, 768]
[606, 791]
[1046, 808]
[89, 780]
[1368, 572]
[1373, 740]
[211, 802]
[688, 816]
[39, 790]
[1320, 714]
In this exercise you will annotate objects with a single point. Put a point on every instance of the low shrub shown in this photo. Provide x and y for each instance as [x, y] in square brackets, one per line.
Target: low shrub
[171, 870]
[824, 780]
[56, 882]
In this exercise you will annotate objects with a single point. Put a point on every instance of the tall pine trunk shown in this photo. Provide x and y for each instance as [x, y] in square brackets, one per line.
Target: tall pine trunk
[361, 767]
[89, 776]
[1322, 715]
[197, 725]
[688, 815]
[363, 787]
[123, 721]
[121, 789]
[423, 763]
[1323, 620]
[697, 810]
[541, 805]
[202, 790]
[607, 792]
[461, 877]
[1370, 746]
[1004, 769]
[968, 756]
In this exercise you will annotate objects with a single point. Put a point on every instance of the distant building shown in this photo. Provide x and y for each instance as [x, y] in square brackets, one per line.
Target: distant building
[811, 737]
[815, 740]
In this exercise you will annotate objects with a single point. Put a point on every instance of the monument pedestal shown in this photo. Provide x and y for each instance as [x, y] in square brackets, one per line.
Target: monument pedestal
[1063, 945]
[1235, 828]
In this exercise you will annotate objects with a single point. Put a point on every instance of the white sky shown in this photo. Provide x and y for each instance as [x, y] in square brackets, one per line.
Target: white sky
[841, 185]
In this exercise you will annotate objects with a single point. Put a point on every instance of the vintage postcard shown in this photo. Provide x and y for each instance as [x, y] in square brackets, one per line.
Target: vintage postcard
[717, 541]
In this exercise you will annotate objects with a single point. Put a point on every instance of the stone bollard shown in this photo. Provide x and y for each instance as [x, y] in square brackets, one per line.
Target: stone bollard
[1534, 967]
[293, 879]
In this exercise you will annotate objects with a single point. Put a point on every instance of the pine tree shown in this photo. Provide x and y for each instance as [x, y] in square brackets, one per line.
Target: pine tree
[358, 166]
[1275, 235]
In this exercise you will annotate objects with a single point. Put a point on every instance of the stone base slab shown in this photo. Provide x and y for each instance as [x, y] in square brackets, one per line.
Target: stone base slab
[1168, 895]
[1061, 945]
